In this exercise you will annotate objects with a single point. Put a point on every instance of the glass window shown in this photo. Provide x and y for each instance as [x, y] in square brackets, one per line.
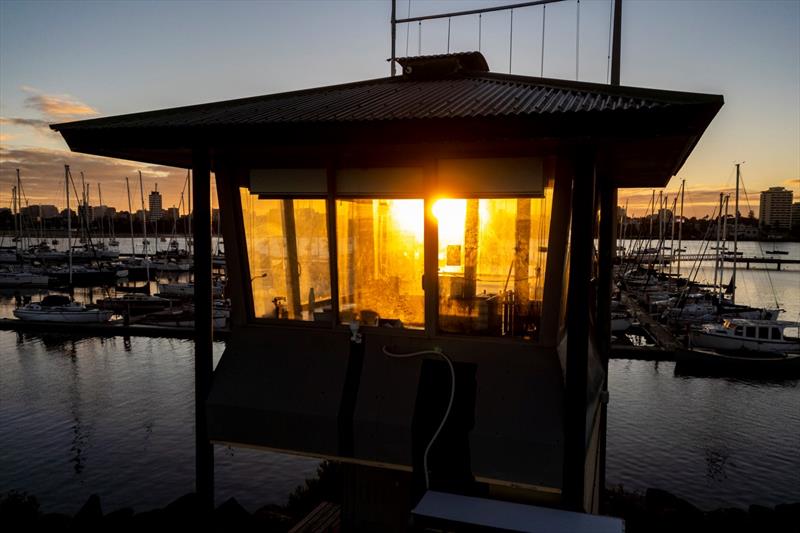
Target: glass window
[751, 332]
[492, 258]
[380, 262]
[287, 250]
[776, 334]
[763, 333]
[738, 331]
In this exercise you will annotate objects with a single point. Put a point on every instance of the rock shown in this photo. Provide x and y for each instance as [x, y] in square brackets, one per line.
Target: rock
[231, 516]
[119, 520]
[787, 517]
[185, 512]
[153, 520]
[730, 520]
[664, 503]
[89, 516]
[18, 509]
[53, 522]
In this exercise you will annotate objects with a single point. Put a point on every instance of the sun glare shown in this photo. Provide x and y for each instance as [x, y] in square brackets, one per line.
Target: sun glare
[450, 215]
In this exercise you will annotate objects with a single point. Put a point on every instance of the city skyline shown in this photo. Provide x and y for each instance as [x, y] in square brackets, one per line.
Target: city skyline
[745, 51]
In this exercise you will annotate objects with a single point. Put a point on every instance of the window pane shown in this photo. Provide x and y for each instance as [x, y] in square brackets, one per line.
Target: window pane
[287, 249]
[380, 262]
[492, 258]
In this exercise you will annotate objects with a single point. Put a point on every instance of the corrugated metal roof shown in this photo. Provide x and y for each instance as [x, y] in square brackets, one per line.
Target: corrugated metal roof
[461, 95]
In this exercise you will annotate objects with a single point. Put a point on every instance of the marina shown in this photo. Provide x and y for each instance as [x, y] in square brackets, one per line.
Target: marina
[475, 281]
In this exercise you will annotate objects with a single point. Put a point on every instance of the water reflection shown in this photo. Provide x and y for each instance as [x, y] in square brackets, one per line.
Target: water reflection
[716, 460]
[80, 436]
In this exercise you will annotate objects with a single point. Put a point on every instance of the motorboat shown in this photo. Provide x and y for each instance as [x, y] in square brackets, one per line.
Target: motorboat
[55, 308]
[738, 334]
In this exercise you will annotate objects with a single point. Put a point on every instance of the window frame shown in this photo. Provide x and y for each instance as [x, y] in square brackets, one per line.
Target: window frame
[429, 195]
[248, 281]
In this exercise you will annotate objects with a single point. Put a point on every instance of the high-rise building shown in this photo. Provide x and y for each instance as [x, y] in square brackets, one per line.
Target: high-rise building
[796, 215]
[775, 208]
[155, 205]
[173, 213]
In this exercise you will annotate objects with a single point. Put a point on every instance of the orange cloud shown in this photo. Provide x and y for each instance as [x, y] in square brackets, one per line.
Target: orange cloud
[57, 106]
[4, 137]
[790, 184]
[31, 122]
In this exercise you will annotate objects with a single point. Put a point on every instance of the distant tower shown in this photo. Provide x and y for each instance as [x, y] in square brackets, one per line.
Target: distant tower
[775, 209]
[155, 205]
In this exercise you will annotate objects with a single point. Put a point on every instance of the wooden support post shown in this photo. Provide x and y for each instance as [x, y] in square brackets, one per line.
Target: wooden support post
[203, 326]
[607, 244]
[522, 258]
[578, 320]
[292, 266]
[471, 225]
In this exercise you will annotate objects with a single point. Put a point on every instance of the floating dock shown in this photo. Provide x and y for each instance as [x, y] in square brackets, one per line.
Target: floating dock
[109, 329]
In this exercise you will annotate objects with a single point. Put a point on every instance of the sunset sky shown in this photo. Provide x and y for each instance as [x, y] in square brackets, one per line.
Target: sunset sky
[62, 61]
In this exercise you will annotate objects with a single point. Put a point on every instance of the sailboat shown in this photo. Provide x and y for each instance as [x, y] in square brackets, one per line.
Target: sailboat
[62, 309]
[738, 344]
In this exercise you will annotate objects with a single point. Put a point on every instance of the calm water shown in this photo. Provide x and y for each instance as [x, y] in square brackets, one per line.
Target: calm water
[115, 416]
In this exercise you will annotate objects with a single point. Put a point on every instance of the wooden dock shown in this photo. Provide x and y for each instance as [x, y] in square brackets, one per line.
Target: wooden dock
[112, 329]
[666, 343]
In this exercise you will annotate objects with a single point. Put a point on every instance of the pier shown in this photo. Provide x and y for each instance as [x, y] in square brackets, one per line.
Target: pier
[112, 329]
[755, 260]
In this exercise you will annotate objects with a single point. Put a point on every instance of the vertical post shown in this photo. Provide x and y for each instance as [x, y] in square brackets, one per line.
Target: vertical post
[522, 259]
[736, 237]
[430, 278]
[717, 255]
[616, 45]
[578, 318]
[680, 229]
[69, 223]
[471, 226]
[203, 330]
[607, 245]
[394, 36]
[292, 261]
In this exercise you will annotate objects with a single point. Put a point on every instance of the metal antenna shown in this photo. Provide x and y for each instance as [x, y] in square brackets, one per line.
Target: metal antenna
[578, 40]
[448, 35]
[510, 40]
[544, 16]
[480, 23]
[610, 31]
[419, 38]
[408, 26]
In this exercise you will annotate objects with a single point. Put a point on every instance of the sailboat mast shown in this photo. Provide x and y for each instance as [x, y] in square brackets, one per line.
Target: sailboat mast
[735, 237]
[14, 212]
[130, 216]
[724, 248]
[19, 208]
[144, 228]
[680, 228]
[102, 223]
[716, 248]
[155, 225]
[69, 222]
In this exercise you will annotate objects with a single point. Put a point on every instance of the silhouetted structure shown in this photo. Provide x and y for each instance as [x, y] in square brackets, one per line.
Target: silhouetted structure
[450, 210]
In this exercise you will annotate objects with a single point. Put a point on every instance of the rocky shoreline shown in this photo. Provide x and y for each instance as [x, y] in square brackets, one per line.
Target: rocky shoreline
[651, 511]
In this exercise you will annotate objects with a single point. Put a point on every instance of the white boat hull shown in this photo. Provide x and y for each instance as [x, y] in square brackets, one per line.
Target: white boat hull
[730, 343]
